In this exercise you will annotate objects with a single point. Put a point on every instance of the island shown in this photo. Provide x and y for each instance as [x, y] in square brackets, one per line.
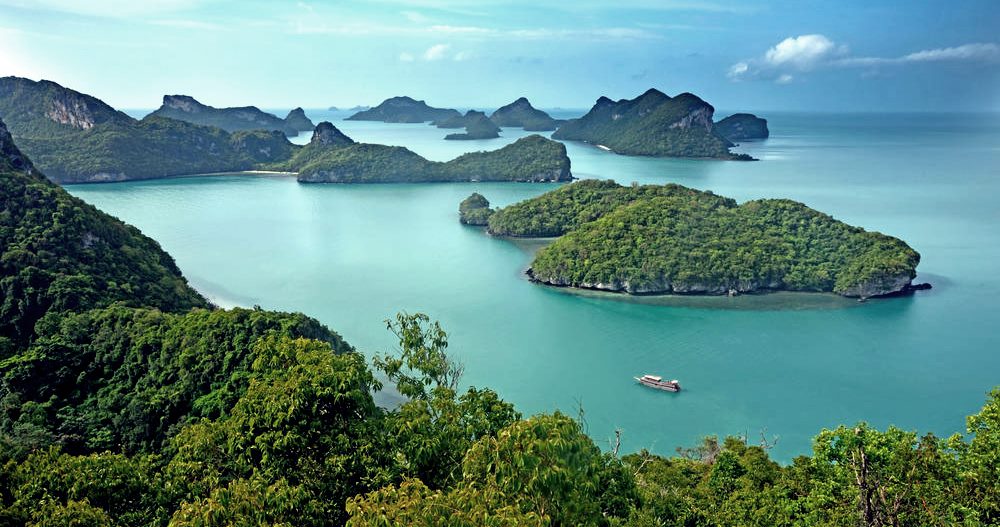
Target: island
[403, 110]
[477, 126]
[188, 109]
[521, 114]
[298, 121]
[671, 239]
[76, 138]
[475, 210]
[742, 127]
[332, 157]
[653, 124]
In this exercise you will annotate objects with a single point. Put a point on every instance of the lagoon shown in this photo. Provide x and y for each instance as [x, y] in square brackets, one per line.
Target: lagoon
[787, 364]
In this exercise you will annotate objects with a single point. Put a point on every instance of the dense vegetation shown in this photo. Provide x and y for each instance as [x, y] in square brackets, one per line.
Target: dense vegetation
[58, 254]
[559, 211]
[522, 114]
[131, 416]
[474, 210]
[671, 239]
[298, 120]
[186, 108]
[404, 110]
[652, 124]
[742, 126]
[532, 158]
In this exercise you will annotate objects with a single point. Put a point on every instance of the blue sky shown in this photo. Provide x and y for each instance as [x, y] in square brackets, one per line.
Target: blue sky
[749, 55]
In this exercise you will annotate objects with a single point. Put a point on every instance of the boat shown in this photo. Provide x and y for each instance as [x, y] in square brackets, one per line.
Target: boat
[655, 381]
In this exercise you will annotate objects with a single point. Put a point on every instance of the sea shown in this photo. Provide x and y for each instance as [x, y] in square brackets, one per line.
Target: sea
[777, 367]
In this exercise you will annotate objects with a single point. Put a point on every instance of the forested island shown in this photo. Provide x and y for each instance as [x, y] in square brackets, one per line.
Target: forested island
[742, 126]
[653, 124]
[653, 239]
[186, 108]
[332, 157]
[404, 110]
[76, 138]
[476, 124]
[128, 400]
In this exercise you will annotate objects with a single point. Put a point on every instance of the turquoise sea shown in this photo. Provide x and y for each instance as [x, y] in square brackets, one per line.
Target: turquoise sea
[784, 364]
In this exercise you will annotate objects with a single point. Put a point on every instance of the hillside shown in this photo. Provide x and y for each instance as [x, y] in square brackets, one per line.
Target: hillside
[652, 124]
[403, 110]
[58, 253]
[742, 126]
[186, 108]
[671, 239]
[477, 126]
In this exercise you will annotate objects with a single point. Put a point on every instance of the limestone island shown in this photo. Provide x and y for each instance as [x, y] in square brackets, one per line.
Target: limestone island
[332, 157]
[404, 110]
[671, 239]
[187, 109]
[742, 127]
[653, 124]
[521, 114]
[297, 120]
[475, 210]
[76, 138]
[477, 126]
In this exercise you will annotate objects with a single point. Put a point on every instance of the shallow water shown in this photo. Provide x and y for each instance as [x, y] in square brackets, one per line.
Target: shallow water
[353, 255]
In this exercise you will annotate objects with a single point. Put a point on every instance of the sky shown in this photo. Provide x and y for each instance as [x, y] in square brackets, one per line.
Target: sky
[751, 55]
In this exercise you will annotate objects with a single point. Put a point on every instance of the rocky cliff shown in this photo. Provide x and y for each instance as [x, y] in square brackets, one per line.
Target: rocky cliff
[522, 114]
[188, 109]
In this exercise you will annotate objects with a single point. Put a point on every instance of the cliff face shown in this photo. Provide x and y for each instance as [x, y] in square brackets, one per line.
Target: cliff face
[45, 108]
[652, 124]
[742, 127]
[326, 134]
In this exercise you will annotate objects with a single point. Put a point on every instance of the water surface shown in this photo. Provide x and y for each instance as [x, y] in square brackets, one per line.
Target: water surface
[353, 255]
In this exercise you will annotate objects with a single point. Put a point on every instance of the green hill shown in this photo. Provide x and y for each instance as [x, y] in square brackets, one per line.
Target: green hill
[477, 126]
[742, 126]
[671, 239]
[652, 124]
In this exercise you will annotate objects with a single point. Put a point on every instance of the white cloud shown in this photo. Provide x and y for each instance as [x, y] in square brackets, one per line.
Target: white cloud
[104, 8]
[802, 52]
[415, 17]
[462, 55]
[436, 52]
[807, 52]
[188, 24]
[406, 57]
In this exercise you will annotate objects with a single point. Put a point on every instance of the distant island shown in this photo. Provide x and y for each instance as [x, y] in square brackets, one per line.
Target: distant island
[653, 124]
[742, 127]
[654, 239]
[186, 108]
[477, 126]
[403, 110]
[521, 114]
[297, 120]
[332, 157]
[76, 138]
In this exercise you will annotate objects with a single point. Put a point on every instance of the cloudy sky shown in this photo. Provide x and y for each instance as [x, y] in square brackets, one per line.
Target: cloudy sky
[868, 55]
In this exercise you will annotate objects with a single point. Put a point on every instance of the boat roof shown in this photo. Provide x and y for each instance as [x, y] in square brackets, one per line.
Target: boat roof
[652, 377]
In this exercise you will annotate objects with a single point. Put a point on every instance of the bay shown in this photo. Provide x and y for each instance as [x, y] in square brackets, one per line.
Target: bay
[784, 364]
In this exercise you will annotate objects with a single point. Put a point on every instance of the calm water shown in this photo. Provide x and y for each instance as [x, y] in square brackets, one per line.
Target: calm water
[789, 364]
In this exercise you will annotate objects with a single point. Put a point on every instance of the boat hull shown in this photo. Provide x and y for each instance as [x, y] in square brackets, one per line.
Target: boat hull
[662, 385]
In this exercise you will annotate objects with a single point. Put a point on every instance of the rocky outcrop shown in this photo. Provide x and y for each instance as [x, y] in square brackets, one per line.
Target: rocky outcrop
[326, 134]
[880, 286]
[742, 127]
[404, 110]
[297, 120]
[475, 210]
